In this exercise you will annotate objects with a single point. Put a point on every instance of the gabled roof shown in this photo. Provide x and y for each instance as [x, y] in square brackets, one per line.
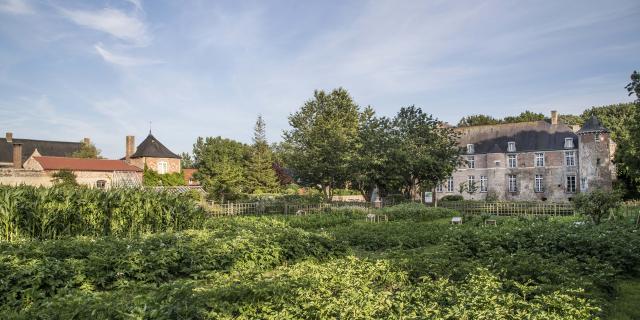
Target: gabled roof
[592, 125]
[45, 148]
[153, 148]
[528, 136]
[78, 164]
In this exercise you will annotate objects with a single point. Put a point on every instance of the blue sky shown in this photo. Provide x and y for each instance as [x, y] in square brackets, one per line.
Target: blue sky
[104, 69]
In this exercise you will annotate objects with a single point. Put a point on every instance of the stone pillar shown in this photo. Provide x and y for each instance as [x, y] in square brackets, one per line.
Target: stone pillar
[130, 148]
[554, 117]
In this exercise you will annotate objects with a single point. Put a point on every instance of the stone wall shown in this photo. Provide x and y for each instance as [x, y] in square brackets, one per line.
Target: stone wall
[152, 163]
[43, 178]
[494, 166]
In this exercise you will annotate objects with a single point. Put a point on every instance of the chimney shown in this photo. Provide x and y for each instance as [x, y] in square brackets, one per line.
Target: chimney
[130, 147]
[17, 155]
[554, 117]
[86, 141]
[9, 136]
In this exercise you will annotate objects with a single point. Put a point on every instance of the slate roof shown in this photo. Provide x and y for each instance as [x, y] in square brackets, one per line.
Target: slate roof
[78, 164]
[45, 148]
[592, 125]
[153, 148]
[528, 136]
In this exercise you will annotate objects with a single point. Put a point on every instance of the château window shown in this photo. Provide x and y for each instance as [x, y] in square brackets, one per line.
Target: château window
[471, 182]
[439, 187]
[450, 184]
[470, 149]
[539, 185]
[513, 162]
[163, 167]
[570, 158]
[471, 162]
[511, 146]
[597, 137]
[540, 159]
[568, 143]
[101, 184]
[483, 183]
[513, 183]
[571, 184]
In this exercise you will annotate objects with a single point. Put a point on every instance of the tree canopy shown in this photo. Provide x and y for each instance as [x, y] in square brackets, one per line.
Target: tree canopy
[261, 177]
[477, 120]
[87, 150]
[323, 138]
[221, 166]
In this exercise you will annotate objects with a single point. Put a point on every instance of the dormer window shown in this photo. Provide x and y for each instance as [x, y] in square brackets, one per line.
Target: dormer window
[568, 143]
[470, 149]
[511, 146]
[597, 138]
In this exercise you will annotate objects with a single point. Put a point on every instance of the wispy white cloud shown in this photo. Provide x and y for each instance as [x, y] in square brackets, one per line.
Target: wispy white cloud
[136, 3]
[112, 21]
[16, 7]
[122, 60]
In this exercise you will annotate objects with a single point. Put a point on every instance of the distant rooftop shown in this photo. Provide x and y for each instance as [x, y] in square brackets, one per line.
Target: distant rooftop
[153, 148]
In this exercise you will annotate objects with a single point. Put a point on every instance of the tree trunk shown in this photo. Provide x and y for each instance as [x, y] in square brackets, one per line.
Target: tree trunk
[328, 192]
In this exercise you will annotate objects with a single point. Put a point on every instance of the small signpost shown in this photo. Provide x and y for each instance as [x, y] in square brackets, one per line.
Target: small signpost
[428, 197]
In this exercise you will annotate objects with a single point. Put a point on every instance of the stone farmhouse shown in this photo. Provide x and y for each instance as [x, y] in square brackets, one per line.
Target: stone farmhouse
[33, 162]
[529, 161]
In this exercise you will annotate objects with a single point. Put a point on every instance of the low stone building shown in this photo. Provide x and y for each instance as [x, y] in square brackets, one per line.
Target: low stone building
[536, 160]
[152, 154]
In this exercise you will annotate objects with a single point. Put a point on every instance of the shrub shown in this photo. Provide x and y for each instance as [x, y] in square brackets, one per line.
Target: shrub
[452, 197]
[417, 211]
[597, 204]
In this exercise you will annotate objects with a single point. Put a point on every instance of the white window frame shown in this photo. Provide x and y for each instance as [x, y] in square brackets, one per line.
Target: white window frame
[568, 143]
[471, 162]
[570, 158]
[513, 183]
[515, 161]
[539, 156]
[483, 184]
[470, 148]
[163, 167]
[511, 146]
[440, 188]
[450, 184]
[470, 181]
[539, 183]
[597, 137]
[569, 188]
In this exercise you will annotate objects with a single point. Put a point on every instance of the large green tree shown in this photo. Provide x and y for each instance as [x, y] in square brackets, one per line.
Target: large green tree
[322, 140]
[221, 166]
[477, 120]
[186, 161]
[87, 150]
[628, 153]
[261, 177]
[426, 151]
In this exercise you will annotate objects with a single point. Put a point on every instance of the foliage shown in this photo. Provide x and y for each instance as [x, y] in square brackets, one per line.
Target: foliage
[52, 213]
[628, 153]
[477, 120]
[322, 139]
[186, 161]
[221, 166]
[64, 177]
[425, 150]
[87, 150]
[525, 116]
[261, 177]
[151, 178]
[597, 204]
[452, 197]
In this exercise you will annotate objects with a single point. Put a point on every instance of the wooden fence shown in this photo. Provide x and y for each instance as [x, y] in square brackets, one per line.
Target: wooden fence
[510, 208]
[261, 208]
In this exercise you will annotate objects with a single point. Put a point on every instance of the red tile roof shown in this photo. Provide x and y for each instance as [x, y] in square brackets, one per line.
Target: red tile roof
[77, 164]
[188, 175]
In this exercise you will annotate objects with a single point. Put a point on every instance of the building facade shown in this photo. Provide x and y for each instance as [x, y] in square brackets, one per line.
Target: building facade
[152, 154]
[539, 160]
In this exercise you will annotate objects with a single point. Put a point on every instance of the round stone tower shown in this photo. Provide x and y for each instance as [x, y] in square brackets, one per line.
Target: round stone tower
[594, 156]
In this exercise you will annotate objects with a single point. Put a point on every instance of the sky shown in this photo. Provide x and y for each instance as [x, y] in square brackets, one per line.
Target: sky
[107, 69]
